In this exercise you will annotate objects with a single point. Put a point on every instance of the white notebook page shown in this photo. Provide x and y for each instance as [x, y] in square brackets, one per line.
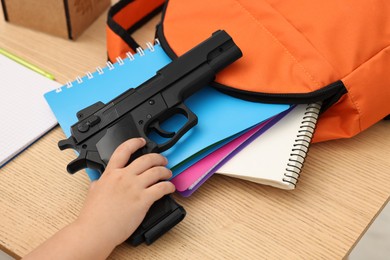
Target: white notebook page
[24, 114]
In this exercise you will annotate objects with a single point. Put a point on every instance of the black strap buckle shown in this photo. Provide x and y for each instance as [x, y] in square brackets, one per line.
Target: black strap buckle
[163, 215]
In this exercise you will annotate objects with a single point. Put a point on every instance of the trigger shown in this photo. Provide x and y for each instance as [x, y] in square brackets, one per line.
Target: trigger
[79, 163]
[160, 131]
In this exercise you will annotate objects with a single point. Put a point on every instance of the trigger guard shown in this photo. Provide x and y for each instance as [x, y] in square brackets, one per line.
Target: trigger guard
[192, 120]
[156, 126]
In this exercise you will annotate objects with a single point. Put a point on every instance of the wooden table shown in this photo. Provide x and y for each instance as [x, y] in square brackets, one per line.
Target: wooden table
[344, 184]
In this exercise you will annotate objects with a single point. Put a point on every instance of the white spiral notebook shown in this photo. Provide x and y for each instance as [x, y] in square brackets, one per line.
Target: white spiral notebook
[276, 157]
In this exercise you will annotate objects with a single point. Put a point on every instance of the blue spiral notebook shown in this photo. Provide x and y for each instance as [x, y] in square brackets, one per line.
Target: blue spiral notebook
[220, 116]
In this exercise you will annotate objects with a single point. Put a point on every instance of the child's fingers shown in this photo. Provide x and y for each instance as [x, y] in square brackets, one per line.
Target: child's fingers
[145, 162]
[159, 189]
[122, 153]
[154, 175]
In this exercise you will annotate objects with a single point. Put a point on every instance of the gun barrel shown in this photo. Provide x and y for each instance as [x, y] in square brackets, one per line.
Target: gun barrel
[217, 52]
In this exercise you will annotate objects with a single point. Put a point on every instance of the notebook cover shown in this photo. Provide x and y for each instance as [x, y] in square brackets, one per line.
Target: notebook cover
[214, 109]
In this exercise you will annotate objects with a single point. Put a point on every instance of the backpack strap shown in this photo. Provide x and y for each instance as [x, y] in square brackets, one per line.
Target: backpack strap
[123, 19]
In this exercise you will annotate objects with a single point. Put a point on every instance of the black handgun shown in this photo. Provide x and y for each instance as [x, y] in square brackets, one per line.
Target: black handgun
[138, 112]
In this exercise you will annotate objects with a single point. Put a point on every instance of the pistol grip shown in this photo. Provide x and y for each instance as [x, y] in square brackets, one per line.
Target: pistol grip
[163, 215]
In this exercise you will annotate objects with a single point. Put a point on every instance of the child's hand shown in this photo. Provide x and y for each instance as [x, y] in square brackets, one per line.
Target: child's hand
[117, 203]
[115, 206]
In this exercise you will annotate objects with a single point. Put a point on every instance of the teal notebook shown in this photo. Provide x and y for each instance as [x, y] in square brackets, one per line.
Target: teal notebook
[219, 116]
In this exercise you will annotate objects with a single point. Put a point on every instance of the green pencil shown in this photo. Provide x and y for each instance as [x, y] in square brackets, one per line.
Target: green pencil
[26, 64]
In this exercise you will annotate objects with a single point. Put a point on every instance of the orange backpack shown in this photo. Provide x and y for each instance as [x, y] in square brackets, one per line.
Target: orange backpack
[293, 51]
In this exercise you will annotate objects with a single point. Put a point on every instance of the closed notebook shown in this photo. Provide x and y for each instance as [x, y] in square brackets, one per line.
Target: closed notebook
[25, 115]
[277, 156]
[219, 116]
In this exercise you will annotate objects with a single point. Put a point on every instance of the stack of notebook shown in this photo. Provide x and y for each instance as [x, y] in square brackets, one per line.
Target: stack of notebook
[227, 139]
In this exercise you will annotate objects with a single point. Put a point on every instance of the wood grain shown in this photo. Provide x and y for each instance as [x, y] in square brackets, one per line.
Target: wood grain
[344, 184]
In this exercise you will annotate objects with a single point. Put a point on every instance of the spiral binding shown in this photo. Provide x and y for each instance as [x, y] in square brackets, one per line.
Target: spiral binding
[109, 65]
[301, 144]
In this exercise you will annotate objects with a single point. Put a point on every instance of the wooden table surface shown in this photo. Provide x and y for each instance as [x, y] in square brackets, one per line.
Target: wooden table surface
[343, 186]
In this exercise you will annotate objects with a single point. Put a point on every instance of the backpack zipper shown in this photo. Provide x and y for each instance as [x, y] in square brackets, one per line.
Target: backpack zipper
[329, 95]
